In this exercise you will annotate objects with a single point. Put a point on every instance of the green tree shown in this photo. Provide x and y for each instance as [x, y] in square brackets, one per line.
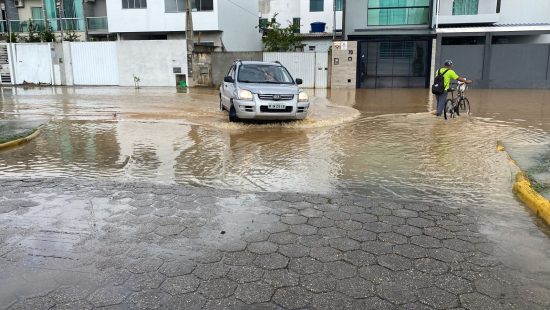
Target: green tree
[280, 39]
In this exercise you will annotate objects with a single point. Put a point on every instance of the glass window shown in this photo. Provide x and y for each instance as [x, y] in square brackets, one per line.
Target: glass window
[339, 5]
[263, 23]
[264, 74]
[203, 5]
[398, 12]
[465, 7]
[36, 13]
[296, 22]
[174, 6]
[316, 5]
[134, 4]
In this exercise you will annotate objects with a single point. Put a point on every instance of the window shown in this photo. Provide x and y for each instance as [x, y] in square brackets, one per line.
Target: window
[134, 4]
[263, 23]
[36, 13]
[174, 6]
[264, 74]
[339, 5]
[465, 7]
[311, 48]
[398, 12]
[203, 5]
[316, 5]
[296, 23]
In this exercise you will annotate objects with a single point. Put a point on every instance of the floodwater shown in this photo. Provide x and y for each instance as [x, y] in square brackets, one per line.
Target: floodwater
[383, 143]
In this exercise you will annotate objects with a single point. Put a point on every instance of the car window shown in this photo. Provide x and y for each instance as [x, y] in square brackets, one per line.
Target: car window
[264, 74]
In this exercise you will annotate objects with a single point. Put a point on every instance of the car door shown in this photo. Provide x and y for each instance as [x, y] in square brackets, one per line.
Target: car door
[228, 88]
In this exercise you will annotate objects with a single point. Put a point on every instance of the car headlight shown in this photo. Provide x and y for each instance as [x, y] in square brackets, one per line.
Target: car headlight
[245, 94]
[303, 97]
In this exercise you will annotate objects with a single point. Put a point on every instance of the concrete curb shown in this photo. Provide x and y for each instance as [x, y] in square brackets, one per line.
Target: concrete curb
[523, 189]
[20, 140]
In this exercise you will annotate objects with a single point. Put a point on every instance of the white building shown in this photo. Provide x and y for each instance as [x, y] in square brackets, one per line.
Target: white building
[226, 25]
[304, 13]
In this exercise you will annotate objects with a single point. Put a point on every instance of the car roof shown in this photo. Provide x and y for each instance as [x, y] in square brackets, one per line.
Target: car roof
[264, 63]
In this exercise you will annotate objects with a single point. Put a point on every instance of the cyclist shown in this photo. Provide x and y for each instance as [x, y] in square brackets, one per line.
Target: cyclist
[448, 75]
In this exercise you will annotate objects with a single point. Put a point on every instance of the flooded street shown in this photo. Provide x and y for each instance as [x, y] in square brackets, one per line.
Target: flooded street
[380, 143]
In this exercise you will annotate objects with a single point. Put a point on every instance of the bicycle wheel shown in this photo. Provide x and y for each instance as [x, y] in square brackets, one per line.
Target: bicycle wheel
[449, 109]
[464, 105]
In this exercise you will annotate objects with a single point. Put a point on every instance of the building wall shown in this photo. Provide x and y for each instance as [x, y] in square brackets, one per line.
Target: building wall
[484, 7]
[25, 13]
[320, 45]
[356, 16]
[239, 20]
[286, 9]
[326, 16]
[344, 72]
[155, 19]
[522, 11]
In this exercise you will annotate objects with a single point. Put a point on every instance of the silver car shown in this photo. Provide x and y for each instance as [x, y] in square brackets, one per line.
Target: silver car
[262, 90]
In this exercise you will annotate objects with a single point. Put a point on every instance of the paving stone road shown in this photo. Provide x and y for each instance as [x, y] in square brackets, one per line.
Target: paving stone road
[74, 244]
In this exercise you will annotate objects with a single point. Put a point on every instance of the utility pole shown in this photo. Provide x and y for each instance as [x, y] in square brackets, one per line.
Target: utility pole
[189, 39]
[334, 20]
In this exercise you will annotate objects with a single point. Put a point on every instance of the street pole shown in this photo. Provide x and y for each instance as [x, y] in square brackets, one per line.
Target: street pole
[61, 15]
[189, 39]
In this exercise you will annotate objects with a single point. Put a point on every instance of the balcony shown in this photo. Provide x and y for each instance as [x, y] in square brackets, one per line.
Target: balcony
[94, 24]
[398, 16]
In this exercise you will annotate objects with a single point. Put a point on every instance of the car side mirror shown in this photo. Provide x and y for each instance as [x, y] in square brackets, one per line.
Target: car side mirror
[299, 81]
[228, 79]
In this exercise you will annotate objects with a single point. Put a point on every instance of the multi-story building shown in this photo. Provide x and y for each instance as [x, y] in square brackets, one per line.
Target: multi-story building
[497, 43]
[222, 24]
[304, 13]
[88, 19]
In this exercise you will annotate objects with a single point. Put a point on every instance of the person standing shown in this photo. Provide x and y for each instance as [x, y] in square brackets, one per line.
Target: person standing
[448, 74]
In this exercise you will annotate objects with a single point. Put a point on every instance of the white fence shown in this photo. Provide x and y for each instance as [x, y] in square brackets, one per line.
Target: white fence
[312, 68]
[156, 63]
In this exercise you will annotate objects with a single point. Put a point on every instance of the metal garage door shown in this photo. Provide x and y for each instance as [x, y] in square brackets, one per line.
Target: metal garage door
[94, 63]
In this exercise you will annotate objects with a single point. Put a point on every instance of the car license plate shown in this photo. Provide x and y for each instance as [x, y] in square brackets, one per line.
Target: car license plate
[276, 106]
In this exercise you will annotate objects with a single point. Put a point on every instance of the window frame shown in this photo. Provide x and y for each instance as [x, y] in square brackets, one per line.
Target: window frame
[322, 5]
[177, 7]
[196, 6]
[142, 4]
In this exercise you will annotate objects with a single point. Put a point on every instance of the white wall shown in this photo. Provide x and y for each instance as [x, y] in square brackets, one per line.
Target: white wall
[239, 20]
[151, 61]
[326, 16]
[320, 45]
[33, 63]
[356, 16]
[523, 11]
[484, 7]
[154, 18]
[287, 9]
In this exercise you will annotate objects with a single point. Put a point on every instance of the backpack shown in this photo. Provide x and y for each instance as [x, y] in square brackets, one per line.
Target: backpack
[438, 88]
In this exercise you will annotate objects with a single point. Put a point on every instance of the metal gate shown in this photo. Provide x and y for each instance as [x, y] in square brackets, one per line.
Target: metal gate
[33, 63]
[312, 68]
[94, 63]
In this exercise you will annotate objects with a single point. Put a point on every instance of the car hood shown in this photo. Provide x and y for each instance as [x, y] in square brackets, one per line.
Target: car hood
[263, 88]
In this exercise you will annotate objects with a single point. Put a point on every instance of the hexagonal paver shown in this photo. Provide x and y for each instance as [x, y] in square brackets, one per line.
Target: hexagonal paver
[332, 232]
[410, 251]
[396, 293]
[341, 270]
[420, 222]
[169, 230]
[437, 298]
[362, 235]
[474, 301]
[240, 258]
[180, 285]
[177, 268]
[294, 250]
[318, 282]
[344, 244]
[326, 254]
[405, 213]
[293, 219]
[426, 241]
[334, 300]
[337, 215]
[271, 261]
[303, 229]
[108, 295]
[251, 293]
[394, 262]
[376, 303]
[407, 230]
[283, 238]
[211, 271]
[321, 222]
[310, 212]
[68, 294]
[245, 274]
[217, 288]
[392, 238]
[495, 289]
[264, 247]
[146, 300]
[292, 297]
[356, 287]
[446, 255]
[377, 247]
[281, 278]
[459, 245]
[145, 265]
[431, 265]
[139, 282]
[191, 301]
[349, 225]
[305, 265]
[359, 258]
[453, 284]
[377, 227]
[233, 246]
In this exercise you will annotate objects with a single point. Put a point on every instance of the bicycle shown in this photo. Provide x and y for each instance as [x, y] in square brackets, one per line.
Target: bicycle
[458, 104]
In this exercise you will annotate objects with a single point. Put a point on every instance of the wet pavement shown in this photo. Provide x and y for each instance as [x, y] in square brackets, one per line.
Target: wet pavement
[385, 204]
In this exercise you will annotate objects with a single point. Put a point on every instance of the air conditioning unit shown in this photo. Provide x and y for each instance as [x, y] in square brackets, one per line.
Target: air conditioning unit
[19, 3]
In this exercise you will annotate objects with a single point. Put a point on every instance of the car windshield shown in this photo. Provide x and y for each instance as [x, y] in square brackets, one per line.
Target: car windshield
[264, 74]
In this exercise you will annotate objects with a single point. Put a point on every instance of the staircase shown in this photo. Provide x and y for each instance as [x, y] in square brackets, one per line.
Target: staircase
[5, 73]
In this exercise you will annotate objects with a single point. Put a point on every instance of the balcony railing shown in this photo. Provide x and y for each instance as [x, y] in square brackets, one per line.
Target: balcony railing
[398, 16]
[97, 24]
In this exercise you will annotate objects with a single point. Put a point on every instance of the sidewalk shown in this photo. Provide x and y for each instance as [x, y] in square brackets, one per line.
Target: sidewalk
[16, 129]
[90, 244]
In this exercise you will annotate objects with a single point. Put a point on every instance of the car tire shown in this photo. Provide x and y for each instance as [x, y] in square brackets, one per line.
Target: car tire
[233, 114]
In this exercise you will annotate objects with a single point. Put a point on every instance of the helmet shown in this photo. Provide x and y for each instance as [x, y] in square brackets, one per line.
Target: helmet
[448, 62]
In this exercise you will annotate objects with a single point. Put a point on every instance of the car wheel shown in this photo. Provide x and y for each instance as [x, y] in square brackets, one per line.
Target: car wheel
[233, 114]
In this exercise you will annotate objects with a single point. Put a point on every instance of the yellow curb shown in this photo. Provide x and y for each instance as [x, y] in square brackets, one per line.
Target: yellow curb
[523, 189]
[20, 141]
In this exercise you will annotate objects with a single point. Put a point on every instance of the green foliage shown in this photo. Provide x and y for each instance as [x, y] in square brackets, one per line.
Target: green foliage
[71, 36]
[280, 39]
[47, 34]
[14, 37]
[32, 36]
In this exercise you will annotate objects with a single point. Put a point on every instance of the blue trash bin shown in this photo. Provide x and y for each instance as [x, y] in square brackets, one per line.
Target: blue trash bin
[318, 27]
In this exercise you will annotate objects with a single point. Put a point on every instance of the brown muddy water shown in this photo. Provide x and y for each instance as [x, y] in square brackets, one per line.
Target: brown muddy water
[383, 143]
